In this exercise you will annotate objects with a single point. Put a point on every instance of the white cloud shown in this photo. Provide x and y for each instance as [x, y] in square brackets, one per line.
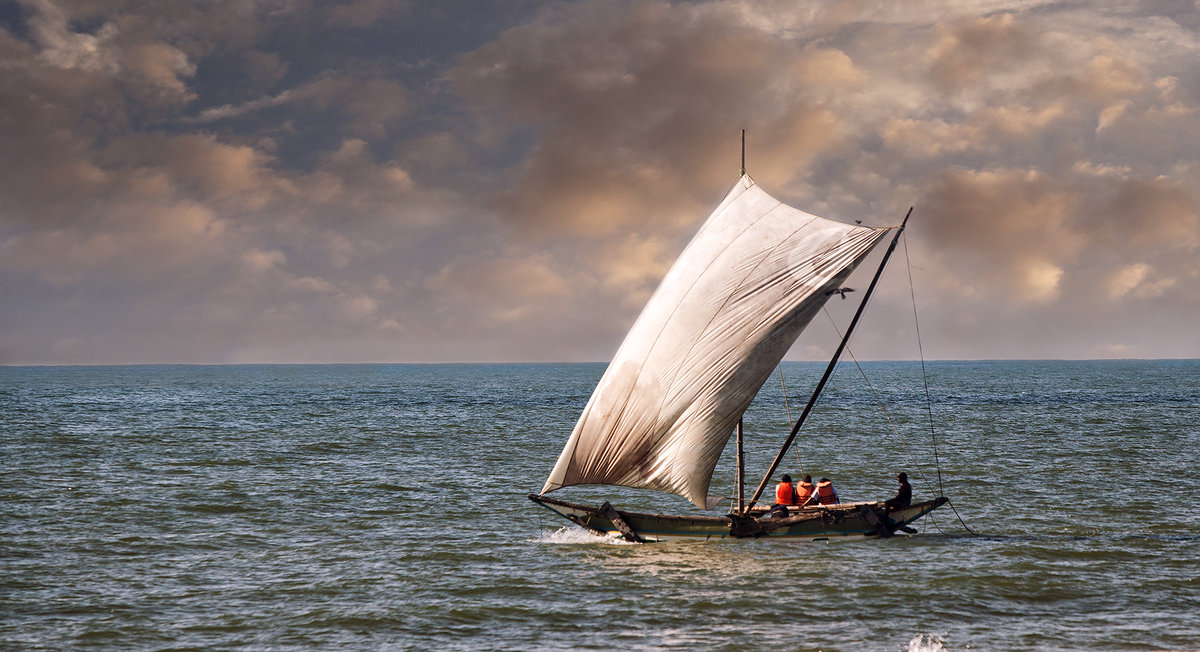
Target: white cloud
[1137, 280]
[63, 48]
[231, 111]
[1041, 280]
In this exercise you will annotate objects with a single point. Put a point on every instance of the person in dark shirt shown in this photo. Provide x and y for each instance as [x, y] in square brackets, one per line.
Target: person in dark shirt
[903, 495]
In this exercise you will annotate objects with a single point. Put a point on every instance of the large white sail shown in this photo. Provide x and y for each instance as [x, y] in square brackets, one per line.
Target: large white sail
[724, 316]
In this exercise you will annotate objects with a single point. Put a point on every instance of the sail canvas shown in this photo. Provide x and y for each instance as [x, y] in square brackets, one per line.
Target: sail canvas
[723, 317]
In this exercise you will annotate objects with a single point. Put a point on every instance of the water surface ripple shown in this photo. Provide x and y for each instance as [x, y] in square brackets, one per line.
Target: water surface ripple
[383, 507]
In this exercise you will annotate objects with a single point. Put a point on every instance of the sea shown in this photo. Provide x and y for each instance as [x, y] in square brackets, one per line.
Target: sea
[384, 507]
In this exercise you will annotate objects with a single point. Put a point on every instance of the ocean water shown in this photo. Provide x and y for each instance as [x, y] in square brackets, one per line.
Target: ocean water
[384, 507]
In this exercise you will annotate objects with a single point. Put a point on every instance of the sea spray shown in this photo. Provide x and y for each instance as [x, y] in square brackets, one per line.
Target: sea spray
[927, 643]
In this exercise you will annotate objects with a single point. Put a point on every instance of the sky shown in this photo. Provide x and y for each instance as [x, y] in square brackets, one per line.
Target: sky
[292, 181]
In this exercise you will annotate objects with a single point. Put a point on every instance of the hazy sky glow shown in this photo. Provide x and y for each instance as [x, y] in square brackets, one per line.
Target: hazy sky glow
[377, 181]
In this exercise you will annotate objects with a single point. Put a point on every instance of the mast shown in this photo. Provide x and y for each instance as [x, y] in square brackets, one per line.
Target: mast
[741, 471]
[741, 457]
[832, 364]
[743, 173]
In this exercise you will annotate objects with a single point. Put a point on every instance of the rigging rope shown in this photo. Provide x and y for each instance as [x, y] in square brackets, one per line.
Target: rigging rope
[928, 396]
[928, 399]
[907, 448]
[878, 399]
[924, 375]
[788, 409]
[786, 406]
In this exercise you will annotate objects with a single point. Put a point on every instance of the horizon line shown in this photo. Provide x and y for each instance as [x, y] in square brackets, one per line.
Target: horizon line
[548, 362]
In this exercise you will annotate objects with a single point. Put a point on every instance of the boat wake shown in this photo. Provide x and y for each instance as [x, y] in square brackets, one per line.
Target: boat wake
[927, 643]
[573, 535]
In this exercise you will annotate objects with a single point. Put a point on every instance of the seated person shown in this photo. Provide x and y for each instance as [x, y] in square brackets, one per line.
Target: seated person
[826, 494]
[806, 491]
[903, 495]
[785, 492]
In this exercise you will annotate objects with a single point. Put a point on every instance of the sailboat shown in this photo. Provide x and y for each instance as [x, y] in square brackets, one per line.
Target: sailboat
[711, 335]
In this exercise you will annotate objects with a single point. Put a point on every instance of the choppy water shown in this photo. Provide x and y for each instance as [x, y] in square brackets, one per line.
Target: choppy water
[383, 507]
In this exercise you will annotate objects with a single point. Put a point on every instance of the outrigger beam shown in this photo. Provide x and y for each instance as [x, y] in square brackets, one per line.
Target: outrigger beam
[832, 364]
[607, 511]
[871, 516]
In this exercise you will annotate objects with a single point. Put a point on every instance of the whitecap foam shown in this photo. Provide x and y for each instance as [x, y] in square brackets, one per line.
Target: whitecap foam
[574, 535]
[927, 643]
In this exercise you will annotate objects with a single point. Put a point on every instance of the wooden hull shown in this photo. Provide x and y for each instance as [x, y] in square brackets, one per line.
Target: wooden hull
[821, 522]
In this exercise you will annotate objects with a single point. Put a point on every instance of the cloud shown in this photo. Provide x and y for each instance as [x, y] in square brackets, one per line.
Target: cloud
[229, 181]
[501, 289]
[1151, 215]
[62, 48]
[363, 13]
[139, 243]
[258, 261]
[202, 166]
[968, 51]
[370, 103]
[163, 69]
[637, 102]
[231, 111]
[1017, 225]
[1137, 280]
[155, 71]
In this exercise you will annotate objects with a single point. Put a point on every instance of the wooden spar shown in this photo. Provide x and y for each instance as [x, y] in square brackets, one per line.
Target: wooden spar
[741, 471]
[832, 364]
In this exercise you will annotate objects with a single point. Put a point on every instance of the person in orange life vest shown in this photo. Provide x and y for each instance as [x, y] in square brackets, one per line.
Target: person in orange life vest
[826, 494]
[806, 491]
[903, 496]
[785, 494]
[785, 491]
